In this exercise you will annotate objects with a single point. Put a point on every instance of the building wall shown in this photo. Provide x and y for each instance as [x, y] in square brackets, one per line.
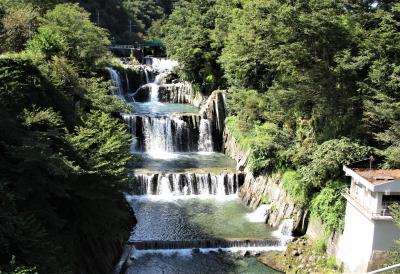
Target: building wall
[386, 232]
[355, 246]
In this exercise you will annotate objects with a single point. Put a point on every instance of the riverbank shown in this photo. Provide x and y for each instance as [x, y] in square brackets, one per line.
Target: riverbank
[303, 255]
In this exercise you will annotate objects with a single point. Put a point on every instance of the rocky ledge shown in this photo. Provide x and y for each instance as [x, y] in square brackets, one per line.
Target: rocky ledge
[265, 187]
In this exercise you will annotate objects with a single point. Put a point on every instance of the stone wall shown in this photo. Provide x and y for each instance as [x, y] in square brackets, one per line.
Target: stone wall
[256, 187]
[179, 93]
[214, 110]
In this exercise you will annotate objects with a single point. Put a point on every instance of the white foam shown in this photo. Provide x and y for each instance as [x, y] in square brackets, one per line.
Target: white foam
[260, 214]
[189, 252]
[174, 198]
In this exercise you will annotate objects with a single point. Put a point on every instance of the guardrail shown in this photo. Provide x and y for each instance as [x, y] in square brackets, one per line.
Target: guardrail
[382, 213]
[125, 47]
[395, 266]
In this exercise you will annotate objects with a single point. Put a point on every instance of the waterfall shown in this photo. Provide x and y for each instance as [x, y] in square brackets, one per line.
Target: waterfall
[205, 138]
[260, 214]
[116, 82]
[127, 81]
[182, 133]
[165, 188]
[158, 136]
[130, 121]
[154, 92]
[162, 64]
[183, 244]
[183, 184]
[284, 231]
[146, 73]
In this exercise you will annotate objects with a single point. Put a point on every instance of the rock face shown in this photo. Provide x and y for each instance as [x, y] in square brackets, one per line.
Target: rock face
[256, 187]
[179, 93]
[214, 111]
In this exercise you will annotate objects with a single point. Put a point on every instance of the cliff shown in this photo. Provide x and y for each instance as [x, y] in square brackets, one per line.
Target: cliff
[255, 188]
[214, 111]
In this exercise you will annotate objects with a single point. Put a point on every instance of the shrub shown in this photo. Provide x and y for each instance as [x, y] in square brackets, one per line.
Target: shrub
[329, 206]
[328, 159]
[320, 246]
[265, 199]
[296, 187]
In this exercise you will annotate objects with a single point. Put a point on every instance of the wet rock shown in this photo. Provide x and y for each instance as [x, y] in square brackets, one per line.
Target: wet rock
[195, 250]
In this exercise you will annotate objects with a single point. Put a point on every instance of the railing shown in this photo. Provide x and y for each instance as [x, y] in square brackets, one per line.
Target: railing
[385, 269]
[125, 47]
[382, 213]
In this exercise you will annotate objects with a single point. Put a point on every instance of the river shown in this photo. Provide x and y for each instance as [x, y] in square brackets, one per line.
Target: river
[185, 195]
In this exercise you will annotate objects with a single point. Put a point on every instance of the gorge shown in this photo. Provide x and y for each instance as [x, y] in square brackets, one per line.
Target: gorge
[185, 194]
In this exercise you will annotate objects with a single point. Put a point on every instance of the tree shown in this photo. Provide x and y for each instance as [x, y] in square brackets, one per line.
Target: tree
[68, 31]
[188, 39]
[19, 24]
[102, 144]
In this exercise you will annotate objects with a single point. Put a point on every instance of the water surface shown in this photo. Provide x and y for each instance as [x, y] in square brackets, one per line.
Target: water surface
[183, 162]
[197, 264]
[194, 219]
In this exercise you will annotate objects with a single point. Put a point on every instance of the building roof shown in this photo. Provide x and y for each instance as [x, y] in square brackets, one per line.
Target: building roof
[378, 176]
[378, 180]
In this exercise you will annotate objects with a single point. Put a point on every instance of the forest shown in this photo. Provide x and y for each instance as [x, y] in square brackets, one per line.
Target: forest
[63, 149]
[312, 85]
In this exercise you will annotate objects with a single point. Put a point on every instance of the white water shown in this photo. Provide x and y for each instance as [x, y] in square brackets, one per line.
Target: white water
[116, 82]
[135, 253]
[154, 92]
[163, 136]
[158, 136]
[205, 138]
[146, 73]
[260, 214]
[163, 65]
[187, 184]
[284, 231]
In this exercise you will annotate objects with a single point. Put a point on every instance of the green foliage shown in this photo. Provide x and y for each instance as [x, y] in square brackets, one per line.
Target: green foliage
[391, 137]
[265, 199]
[102, 143]
[18, 24]
[188, 40]
[328, 159]
[14, 268]
[267, 145]
[41, 118]
[329, 206]
[67, 31]
[63, 149]
[299, 190]
[319, 246]
[266, 142]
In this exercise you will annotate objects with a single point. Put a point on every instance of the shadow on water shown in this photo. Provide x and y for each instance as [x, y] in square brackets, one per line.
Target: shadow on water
[184, 162]
[197, 264]
[194, 219]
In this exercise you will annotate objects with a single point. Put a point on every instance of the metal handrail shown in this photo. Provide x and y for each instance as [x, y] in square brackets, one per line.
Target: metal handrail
[385, 269]
[382, 212]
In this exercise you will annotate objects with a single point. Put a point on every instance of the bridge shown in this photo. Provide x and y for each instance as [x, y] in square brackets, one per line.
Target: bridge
[129, 47]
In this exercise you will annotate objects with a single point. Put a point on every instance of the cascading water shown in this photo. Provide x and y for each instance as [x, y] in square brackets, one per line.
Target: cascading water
[187, 184]
[205, 139]
[181, 173]
[260, 214]
[116, 82]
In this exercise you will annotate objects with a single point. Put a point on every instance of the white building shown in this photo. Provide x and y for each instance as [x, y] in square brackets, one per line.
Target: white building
[369, 229]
